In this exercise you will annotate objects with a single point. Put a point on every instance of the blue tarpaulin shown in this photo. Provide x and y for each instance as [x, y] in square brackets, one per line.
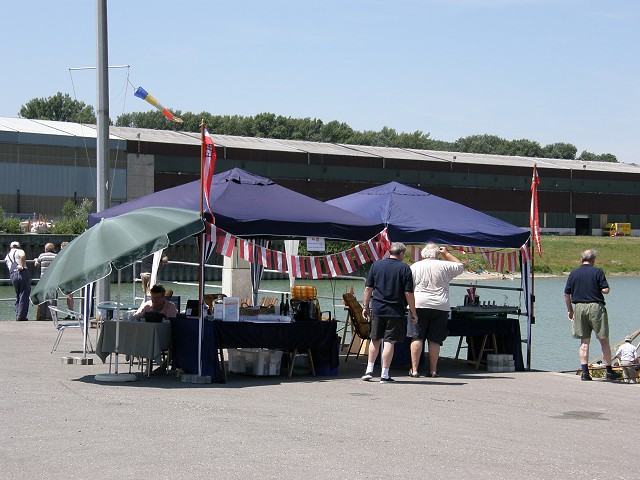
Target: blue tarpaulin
[414, 216]
[248, 205]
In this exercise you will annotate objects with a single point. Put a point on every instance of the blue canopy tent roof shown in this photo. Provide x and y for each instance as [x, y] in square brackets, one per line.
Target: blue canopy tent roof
[248, 205]
[414, 216]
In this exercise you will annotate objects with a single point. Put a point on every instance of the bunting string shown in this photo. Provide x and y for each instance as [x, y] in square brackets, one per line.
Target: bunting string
[346, 262]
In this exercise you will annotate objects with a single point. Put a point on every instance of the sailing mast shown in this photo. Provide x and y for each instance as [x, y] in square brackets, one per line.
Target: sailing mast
[102, 115]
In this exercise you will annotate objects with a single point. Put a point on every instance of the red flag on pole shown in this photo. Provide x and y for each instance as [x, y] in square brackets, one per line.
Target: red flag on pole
[208, 166]
[534, 220]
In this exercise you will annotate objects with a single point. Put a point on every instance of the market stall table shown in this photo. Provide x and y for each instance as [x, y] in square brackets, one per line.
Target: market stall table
[503, 331]
[137, 339]
[318, 336]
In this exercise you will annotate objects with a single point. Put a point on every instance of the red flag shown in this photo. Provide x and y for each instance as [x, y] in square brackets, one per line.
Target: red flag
[264, 257]
[359, 252]
[347, 262]
[415, 253]
[245, 249]
[331, 266]
[384, 244]
[512, 261]
[373, 251]
[224, 243]
[298, 266]
[534, 221]
[209, 163]
[524, 250]
[209, 239]
[280, 260]
[315, 271]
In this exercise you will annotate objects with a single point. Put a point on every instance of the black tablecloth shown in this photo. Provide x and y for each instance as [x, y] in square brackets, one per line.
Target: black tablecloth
[320, 337]
[506, 330]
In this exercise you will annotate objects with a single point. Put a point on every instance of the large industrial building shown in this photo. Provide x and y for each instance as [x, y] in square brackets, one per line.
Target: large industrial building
[43, 164]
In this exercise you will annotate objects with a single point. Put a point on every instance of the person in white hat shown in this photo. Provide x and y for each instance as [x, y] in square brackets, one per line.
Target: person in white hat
[628, 356]
[16, 261]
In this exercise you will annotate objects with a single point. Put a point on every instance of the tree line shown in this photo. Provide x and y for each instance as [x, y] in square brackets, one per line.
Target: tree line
[61, 107]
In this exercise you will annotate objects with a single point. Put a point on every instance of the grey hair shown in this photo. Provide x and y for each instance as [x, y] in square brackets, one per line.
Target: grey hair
[430, 250]
[588, 255]
[397, 248]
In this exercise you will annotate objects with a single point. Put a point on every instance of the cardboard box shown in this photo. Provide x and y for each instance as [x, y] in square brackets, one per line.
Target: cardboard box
[266, 362]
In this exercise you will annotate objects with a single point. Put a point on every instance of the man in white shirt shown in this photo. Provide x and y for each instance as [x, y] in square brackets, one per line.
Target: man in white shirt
[16, 261]
[431, 278]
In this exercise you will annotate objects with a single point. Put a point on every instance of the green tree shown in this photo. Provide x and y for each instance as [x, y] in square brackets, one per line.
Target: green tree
[593, 157]
[74, 219]
[9, 224]
[61, 108]
[560, 150]
[489, 144]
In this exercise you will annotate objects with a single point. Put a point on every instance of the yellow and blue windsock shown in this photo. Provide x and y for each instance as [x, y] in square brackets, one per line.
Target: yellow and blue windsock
[144, 95]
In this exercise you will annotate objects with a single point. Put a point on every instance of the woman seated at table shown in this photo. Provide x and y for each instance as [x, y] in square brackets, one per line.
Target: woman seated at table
[158, 304]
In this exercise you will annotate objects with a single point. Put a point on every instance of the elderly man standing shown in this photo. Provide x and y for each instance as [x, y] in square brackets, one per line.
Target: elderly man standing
[584, 297]
[431, 278]
[16, 261]
[388, 291]
[44, 259]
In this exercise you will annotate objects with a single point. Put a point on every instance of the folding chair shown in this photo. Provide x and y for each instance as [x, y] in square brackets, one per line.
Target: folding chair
[63, 319]
[360, 328]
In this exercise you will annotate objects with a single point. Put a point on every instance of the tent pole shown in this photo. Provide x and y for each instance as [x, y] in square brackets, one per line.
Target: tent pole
[201, 256]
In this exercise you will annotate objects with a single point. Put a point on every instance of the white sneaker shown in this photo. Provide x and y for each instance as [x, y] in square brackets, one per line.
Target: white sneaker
[367, 376]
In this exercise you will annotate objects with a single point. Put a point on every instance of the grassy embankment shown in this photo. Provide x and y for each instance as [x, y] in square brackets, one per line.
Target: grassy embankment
[560, 255]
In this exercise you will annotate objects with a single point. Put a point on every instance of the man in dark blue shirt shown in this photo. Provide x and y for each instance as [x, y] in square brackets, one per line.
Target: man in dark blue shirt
[388, 291]
[584, 297]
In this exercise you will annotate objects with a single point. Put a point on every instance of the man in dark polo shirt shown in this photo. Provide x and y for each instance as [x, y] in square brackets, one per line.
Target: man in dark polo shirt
[584, 296]
[388, 291]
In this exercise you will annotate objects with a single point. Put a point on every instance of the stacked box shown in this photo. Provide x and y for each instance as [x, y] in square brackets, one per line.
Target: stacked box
[267, 362]
[237, 360]
[500, 363]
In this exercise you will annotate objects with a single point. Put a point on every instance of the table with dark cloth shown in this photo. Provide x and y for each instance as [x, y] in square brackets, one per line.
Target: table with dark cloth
[506, 330]
[318, 336]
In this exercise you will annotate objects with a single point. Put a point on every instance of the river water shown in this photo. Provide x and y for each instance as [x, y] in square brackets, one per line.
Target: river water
[553, 348]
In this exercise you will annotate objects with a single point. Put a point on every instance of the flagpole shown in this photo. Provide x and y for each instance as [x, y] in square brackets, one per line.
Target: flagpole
[532, 318]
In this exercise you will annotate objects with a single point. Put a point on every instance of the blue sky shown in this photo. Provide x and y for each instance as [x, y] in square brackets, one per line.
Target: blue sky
[545, 70]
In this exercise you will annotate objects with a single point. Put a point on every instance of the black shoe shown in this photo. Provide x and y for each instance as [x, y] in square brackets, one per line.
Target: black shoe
[367, 376]
[414, 374]
[386, 380]
[586, 377]
[614, 376]
[22, 319]
[434, 375]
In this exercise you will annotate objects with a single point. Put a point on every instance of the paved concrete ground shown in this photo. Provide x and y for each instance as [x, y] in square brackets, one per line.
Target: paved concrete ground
[58, 423]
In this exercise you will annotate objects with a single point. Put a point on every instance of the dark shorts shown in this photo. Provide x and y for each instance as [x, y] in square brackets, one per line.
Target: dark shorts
[432, 325]
[389, 329]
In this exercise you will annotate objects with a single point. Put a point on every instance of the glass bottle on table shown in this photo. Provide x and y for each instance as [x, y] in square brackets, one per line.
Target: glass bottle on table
[282, 304]
[286, 305]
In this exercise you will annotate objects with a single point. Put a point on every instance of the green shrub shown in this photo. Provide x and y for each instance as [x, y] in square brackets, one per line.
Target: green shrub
[9, 224]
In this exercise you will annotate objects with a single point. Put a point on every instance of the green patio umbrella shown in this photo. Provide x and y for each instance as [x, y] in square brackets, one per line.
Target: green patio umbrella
[118, 242]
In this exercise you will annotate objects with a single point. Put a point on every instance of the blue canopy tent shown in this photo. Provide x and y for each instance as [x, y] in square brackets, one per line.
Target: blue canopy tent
[414, 216]
[251, 206]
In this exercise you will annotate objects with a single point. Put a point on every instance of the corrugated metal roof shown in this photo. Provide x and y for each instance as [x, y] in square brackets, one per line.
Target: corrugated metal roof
[323, 148]
[44, 127]
[553, 163]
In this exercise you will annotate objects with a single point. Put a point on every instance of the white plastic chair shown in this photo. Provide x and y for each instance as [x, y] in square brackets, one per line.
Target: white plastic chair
[73, 320]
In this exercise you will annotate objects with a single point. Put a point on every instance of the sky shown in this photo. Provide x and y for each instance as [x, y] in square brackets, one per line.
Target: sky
[545, 70]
